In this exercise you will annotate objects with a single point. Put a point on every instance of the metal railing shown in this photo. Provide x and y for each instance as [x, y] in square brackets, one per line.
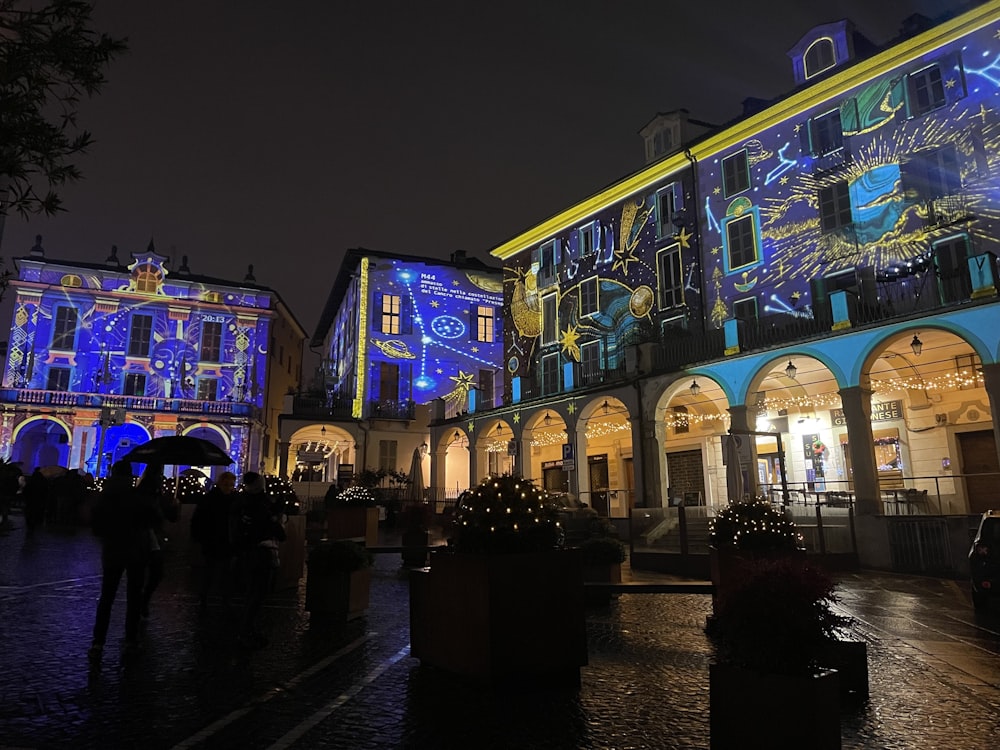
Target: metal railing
[131, 403]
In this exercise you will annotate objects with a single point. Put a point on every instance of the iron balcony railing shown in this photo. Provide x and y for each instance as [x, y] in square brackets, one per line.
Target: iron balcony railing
[130, 403]
[322, 407]
[387, 409]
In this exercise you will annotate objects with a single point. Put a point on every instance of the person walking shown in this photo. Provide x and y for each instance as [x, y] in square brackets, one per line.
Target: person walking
[150, 494]
[36, 491]
[257, 529]
[123, 525]
[210, 529]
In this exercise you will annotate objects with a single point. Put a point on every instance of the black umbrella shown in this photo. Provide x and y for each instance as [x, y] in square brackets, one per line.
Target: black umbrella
[178, 449]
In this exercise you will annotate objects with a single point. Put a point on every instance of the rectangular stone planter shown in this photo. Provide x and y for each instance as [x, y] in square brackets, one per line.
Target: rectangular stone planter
[751, 709]
[353, 523]
[850, 659]
[501, 618]
[338, 596]
[607, 573]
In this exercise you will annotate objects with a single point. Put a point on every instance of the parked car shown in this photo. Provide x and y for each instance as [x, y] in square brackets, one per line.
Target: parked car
[984, 559]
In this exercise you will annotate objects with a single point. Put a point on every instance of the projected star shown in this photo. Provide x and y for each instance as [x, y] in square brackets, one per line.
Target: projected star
[568, 342]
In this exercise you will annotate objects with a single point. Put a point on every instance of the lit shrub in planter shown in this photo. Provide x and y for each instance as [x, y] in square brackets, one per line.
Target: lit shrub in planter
[352, 514]
[505, 514]
[503, 574]
[602, 550]
[753, 526]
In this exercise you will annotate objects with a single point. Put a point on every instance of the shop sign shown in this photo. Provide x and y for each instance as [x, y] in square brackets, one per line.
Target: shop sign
[881, 412]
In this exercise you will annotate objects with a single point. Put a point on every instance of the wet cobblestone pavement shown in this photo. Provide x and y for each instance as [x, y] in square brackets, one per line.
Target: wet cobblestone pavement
[934, 670]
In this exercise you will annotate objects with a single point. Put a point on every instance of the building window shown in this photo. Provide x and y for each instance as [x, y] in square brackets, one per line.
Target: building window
[387, 455]
[140, 336]
[135, 384]
[819, 57]
[589, 297]
[392, 308]
[932, 173]
[835, 206]
[550, 320]
[745, 309]
[211, 341]
[825, 134]
[58, 379]
[969, 369]
[671, 276]
[663, 141]
[741, 242]
[735, 173]
[668, 202]
[547, 262]
[485, 323]
[925, 90]
[590, 363]
[487, 386]
[388, 381]
[586, 240]
[682, 424]
[208, 389]
[550, 374]
[147, 278]
[64, 329]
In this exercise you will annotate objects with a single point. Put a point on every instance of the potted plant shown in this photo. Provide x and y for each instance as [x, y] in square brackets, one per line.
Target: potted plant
[352, 514]
[603, 554]
[416, 519]
[744, 532]
[338, 579]
[502, 575]
[768, 685]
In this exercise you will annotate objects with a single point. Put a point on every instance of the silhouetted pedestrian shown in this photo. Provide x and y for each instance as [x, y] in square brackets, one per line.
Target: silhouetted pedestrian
[36, 491]
[210, 528]
[150, 493]
[123, 525]
[257, 530]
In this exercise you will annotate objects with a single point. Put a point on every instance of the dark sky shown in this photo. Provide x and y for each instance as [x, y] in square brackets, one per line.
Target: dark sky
[282, 133]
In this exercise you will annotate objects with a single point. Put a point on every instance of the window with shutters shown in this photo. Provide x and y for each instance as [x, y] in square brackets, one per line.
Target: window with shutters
[826, 133]
[485, 317]
[58, 379]
[550, 374]
[64, 329]
[741, 242]
[669, 200]
[735, 173]
[208, 389]
[211, 341]
[140, 336]
[387, 455]
[671, 276]
[135, 384]
[745, 309]
[931, 174]
[589, 296]
[835, 206]
[925, 90]
[550, 319]
[392, 307]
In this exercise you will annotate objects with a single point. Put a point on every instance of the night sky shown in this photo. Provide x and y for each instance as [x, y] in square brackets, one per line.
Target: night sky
[280, 134]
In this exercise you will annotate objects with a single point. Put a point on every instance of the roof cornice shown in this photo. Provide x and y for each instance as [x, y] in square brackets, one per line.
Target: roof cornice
[831, 87]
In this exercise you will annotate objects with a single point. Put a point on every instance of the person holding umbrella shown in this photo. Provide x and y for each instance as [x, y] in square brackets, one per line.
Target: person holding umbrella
[149, 493]
[124, 526]
[257, 529]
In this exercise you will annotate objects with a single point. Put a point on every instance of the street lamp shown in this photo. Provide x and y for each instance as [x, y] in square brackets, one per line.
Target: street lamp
[916, 345]
[791, 370]
[694, 388]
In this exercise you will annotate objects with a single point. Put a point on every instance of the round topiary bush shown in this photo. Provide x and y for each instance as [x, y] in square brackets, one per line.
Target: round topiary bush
[753, 526]
[505, 514]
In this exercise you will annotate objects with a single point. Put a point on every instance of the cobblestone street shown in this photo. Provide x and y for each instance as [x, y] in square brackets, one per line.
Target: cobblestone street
[934, 670]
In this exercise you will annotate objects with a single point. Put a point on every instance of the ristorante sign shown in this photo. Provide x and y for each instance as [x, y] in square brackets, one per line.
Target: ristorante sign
[881, 412]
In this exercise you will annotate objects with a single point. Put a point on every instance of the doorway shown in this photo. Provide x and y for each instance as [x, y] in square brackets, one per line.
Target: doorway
[978, 455]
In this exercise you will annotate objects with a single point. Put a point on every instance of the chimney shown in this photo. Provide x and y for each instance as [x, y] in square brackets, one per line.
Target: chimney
[458, 257]
[37, 251]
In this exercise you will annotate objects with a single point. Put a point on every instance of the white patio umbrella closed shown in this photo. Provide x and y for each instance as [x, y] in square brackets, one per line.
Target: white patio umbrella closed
[416, 488]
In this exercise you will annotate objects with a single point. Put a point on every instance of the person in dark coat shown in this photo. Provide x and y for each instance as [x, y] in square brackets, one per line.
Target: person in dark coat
[210, 528]
[36, 493]
[257, 528]
[123, 525]
[150, 493]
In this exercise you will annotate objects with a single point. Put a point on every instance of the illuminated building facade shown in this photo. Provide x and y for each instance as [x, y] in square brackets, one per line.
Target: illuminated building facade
[103, 357]
[818, 276]
[400, 336]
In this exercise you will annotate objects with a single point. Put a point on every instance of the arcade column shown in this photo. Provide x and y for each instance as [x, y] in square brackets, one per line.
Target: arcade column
[857, 404]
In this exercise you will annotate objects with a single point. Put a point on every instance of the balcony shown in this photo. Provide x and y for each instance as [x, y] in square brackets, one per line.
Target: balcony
[385, 409]
[321, 407]
[68, 400]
